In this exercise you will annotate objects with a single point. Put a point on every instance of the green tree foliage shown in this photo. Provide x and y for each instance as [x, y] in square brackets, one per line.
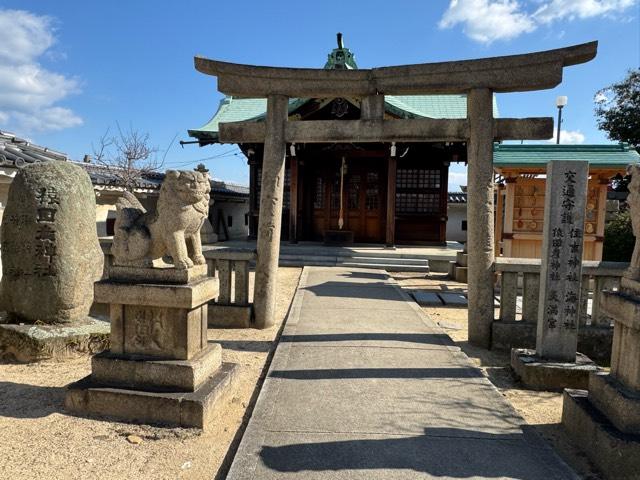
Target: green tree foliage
[618, 109]
[618, 239]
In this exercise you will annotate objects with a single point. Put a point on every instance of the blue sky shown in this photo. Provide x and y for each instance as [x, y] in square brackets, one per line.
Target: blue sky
[71, 69]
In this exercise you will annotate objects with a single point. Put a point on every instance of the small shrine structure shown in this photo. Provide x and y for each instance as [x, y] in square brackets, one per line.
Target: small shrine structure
[521, 193]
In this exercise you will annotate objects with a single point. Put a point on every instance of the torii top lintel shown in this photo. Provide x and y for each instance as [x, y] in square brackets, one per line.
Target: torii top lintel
[513, 73]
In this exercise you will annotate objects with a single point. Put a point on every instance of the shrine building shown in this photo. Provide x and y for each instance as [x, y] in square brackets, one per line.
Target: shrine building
[392, 193]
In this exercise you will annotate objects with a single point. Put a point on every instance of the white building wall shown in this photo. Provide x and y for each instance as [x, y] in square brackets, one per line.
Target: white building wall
[457, 222]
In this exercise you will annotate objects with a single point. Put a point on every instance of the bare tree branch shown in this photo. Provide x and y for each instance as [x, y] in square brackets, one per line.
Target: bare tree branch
[128, 156]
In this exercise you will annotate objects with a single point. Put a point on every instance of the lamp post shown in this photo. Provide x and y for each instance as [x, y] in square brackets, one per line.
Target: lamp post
[561, 101]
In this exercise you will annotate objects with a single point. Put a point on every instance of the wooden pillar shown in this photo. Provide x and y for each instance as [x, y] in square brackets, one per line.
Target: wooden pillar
[499, 220]
[270, 217]
[509, 212]
[480, 216]
[293, 200]
[391, 201]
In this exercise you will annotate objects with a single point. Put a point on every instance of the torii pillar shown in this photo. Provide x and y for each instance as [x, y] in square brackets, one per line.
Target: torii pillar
[270, 218]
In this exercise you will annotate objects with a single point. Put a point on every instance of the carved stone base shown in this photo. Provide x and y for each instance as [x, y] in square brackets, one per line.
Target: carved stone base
[615, 453]
[164, 322]
[540, 374]
[33, 343]
[171, 409]
[135, 372]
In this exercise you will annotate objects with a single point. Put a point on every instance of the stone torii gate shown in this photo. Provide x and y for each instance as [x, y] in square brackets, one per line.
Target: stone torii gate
[478, 79]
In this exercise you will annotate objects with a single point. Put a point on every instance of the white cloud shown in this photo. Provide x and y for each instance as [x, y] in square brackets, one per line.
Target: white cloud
[486, 21]
[581, 9]
[28, 91]
[569, 137]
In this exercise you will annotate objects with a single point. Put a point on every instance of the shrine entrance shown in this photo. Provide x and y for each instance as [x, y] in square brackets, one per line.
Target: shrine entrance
[478, 80]
[363, 198]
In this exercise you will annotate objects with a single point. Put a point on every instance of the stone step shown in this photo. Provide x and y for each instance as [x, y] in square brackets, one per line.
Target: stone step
[388, 267]
[358, 259]
[346, 253]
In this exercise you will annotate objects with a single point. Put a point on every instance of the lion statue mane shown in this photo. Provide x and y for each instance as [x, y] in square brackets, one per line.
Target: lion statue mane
[140, 237]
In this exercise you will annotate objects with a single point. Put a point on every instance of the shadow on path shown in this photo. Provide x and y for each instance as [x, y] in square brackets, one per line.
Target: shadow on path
[378, 373]
[421, 338]
[479, 455]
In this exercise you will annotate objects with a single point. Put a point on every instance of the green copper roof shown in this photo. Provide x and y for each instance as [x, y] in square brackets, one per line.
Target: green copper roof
[403, 106]
[599, 156]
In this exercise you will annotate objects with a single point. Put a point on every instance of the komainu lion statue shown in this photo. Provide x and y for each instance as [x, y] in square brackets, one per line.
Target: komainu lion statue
[140, 237]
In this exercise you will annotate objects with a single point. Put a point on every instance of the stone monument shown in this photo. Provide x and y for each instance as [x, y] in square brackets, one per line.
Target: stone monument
[51, 258]
[555, 363]
[160, 368]
[605, 421]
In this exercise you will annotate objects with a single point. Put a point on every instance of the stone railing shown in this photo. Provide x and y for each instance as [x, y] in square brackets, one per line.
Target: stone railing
[232, 308]
[520, 277]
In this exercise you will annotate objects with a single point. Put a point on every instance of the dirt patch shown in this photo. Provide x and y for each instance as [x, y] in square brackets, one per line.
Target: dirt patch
[542, 410]
[40, 440]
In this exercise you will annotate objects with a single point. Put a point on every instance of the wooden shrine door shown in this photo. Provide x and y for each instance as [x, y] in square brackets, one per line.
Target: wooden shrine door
[364, 198]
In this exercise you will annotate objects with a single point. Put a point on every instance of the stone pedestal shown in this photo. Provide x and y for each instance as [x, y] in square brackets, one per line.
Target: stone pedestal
[605, 421]
[34, 342]
[539, 374]
[160, 368]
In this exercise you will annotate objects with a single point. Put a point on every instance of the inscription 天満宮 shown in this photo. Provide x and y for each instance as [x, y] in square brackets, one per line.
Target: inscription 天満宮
[561, 270]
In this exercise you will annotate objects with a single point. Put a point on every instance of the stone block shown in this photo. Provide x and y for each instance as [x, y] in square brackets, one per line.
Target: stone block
[462, 275]
[622, 307]
[33, 343]
[593, 341]
[426, 298]
[618, 403]
[172, 409]
[165, 274]
[454, 299]
[230, 316]
[134, 372]
[162, 333]
[172, 296]
[616, 454]
[540, 374]
[462, 258]
[451, 270]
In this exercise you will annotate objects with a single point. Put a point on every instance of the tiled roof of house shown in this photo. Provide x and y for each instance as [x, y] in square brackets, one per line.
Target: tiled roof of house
[456, 197]
[101, 175]
[18, 152]
[599, 156]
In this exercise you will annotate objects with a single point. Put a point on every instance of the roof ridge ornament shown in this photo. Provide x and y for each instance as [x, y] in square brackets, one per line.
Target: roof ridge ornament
[340, 58]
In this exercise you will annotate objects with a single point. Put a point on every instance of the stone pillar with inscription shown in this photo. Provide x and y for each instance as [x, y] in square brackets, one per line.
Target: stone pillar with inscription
[51, 258]
[555, 363]
[160, 369]
[605, 421]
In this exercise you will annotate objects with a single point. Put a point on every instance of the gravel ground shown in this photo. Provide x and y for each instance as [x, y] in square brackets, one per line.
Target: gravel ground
[543, 410]
[39, 440]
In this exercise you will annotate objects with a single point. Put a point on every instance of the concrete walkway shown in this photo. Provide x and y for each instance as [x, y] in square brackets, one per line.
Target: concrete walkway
[364, 386]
